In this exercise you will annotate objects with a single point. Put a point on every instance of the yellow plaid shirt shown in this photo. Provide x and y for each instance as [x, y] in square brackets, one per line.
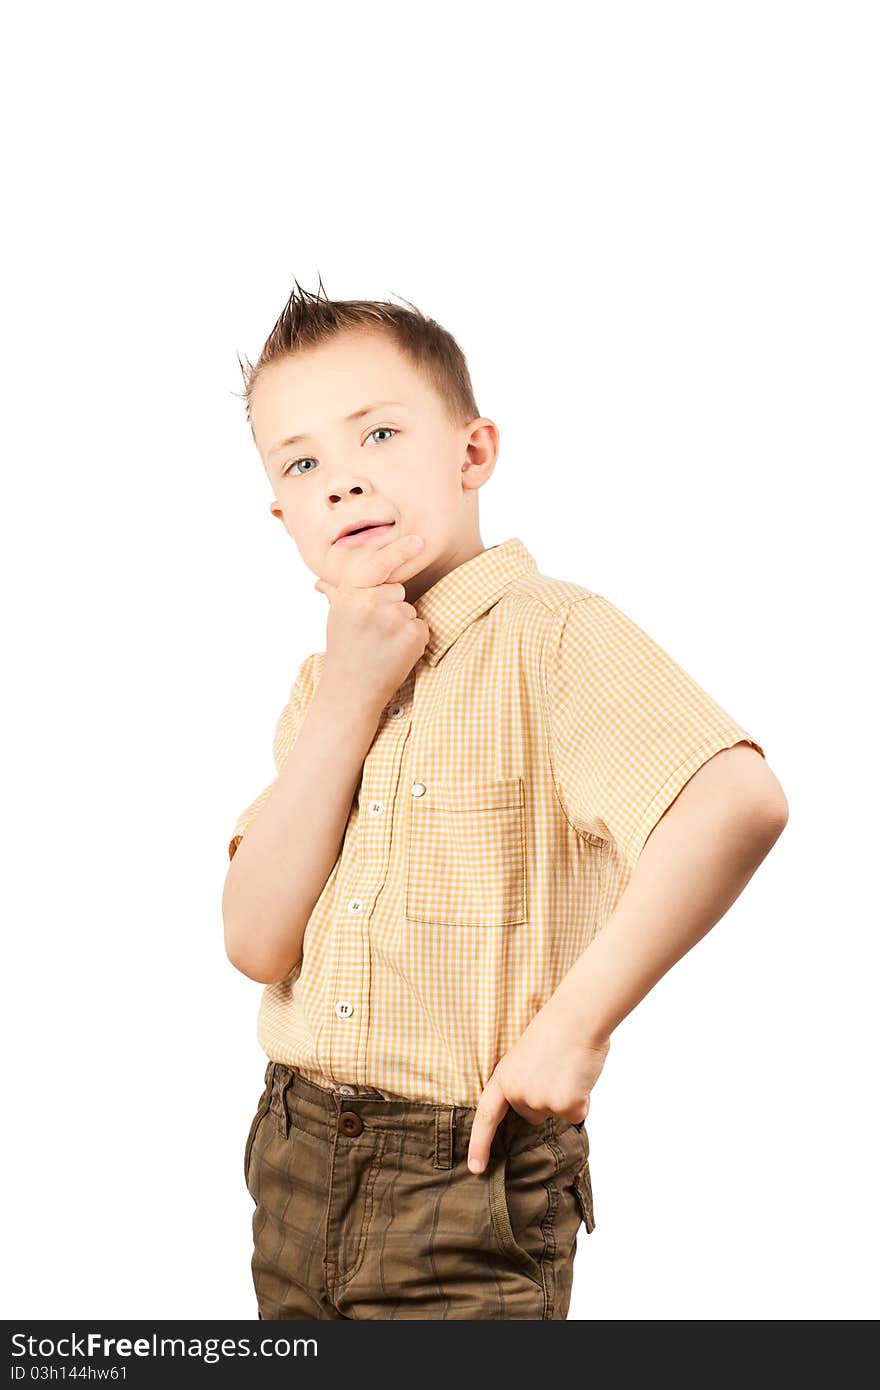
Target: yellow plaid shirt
[507, 794]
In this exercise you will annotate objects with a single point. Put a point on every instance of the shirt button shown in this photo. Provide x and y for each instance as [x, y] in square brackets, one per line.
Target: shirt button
[355, 904]
[396, 712]
[418, 789]
[348, 1090]
[376, 808]
[344, 1009]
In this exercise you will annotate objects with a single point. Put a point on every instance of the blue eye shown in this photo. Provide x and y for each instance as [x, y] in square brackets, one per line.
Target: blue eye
[380, 429]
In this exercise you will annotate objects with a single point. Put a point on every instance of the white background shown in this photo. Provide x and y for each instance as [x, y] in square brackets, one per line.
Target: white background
[653, 229]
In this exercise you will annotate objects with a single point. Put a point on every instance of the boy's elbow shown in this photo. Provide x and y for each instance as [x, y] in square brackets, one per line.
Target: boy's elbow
[255, 947]
[770, 814]
[260, 970]
[238, 939]
[759, 791]
[772, 804]
[259, 966]
[778, 812]
[246, 966]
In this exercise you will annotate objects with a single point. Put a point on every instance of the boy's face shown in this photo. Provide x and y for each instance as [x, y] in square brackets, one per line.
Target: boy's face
[405, 463]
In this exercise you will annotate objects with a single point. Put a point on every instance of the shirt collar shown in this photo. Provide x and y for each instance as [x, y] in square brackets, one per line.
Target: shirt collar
[468, 591]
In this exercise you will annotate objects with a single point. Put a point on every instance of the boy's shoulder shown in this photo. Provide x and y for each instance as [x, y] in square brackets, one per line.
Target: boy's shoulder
[545, 594]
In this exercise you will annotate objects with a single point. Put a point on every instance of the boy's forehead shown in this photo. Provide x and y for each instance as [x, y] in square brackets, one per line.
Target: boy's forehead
[331, 371]
[313, 391]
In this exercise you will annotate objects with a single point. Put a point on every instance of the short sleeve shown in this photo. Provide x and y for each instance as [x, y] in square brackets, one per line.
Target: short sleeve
[286, 730]
[628, 727]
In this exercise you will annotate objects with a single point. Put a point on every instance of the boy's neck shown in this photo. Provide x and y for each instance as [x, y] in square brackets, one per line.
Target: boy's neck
[443, 565]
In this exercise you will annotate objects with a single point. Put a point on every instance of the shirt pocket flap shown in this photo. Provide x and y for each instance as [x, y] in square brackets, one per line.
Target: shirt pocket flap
[479, 796]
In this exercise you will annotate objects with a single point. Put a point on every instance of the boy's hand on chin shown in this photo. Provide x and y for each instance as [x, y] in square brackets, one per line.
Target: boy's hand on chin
[374, 637]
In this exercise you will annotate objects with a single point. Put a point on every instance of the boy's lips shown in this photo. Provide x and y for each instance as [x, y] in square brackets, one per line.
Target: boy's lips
[354, 538]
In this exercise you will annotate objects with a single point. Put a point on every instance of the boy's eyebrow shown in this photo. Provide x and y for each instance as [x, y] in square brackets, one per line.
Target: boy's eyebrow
[355, 415]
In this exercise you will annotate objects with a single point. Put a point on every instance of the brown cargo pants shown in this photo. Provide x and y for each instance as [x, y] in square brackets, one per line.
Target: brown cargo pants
[366, 1208]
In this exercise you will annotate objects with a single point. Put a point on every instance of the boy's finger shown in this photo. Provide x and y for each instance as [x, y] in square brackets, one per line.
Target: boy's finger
[396, 561]
[491, 1109]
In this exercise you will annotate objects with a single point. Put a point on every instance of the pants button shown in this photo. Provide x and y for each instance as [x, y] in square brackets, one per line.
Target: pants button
[349, 1123]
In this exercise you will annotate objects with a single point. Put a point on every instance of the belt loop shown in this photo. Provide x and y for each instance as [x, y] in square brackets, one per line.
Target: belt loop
[282, 1119]
[444, 1123]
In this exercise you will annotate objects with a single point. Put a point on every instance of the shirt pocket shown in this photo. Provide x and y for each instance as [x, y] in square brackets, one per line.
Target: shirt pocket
[466, 854]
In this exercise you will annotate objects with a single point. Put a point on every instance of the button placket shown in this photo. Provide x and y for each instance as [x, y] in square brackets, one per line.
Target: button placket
[375, 850]
[377, 807]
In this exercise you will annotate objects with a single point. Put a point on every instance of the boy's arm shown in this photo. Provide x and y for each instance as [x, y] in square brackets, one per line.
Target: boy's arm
[281, 865]
[696, 862]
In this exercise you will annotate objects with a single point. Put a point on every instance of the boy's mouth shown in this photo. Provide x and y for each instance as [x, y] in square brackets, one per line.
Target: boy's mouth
[361, 533]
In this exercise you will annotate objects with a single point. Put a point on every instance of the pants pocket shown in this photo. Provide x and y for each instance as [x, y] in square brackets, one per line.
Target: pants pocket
[466, 854]
[501, 1222]
[262, 1110]
[584, 1189]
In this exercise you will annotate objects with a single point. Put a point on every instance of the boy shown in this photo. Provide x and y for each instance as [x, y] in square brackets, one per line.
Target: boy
[449, 889]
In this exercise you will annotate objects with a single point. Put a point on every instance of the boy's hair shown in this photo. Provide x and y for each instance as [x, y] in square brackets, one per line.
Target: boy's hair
[307, 320]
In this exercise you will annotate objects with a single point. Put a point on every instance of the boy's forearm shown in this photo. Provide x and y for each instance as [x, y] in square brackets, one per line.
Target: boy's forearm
[283, 861]
[694, 865]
